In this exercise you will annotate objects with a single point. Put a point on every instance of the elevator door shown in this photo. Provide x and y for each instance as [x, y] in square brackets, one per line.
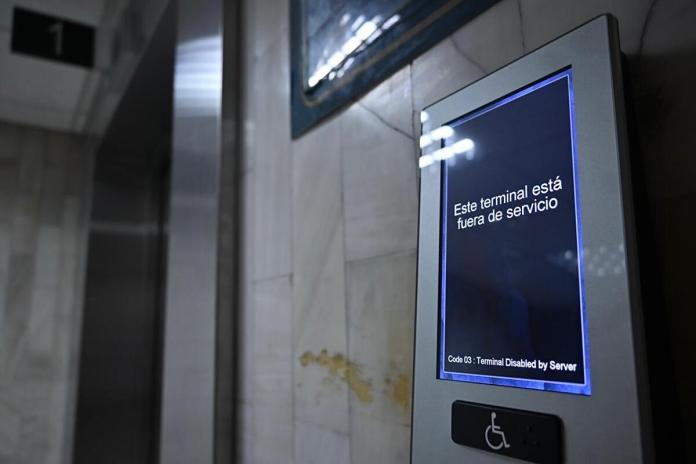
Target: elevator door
[119, 381]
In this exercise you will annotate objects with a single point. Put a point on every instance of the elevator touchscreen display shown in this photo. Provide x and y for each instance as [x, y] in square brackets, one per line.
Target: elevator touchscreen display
[511, 291]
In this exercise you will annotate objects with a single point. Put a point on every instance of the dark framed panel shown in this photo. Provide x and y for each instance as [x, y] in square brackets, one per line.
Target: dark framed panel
[52, 38]
[597, 160]
[341, 49]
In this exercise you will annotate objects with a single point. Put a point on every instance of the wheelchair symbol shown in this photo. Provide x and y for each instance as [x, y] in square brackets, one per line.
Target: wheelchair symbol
[495, 430]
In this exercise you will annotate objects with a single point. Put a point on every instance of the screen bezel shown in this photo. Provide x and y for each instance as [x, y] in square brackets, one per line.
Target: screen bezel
[614, 321]
[584, 388]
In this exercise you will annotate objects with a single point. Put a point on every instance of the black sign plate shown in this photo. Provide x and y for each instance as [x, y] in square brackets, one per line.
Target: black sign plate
[525, 435]
[52, 38]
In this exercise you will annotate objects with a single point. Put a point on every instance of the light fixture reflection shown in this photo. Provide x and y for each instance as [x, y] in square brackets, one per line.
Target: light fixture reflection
[364, 32]
[465, 146]
[425, 140]
[434, 135]
[425, 160]
[336, 59]
[351, 45]
[357, 23]
[462, 146]
[198, 76]
[441, 132]
[390, 22]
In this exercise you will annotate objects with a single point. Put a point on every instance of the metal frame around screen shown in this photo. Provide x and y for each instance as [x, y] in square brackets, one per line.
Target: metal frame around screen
[566, 387]
[613, 315]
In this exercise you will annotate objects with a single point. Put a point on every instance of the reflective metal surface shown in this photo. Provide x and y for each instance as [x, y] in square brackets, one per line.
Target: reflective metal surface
[334, 33]
[188, 391]
[119, 383]
[617, 356]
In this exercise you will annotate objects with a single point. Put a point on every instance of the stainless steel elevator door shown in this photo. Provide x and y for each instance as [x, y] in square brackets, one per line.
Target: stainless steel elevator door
[120, 367]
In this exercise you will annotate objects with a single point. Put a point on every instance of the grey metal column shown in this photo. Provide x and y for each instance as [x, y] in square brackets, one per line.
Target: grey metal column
[188, 378]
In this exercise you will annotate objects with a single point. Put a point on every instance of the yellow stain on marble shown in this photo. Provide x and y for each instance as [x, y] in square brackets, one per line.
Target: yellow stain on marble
[341, 367]
[401, 392]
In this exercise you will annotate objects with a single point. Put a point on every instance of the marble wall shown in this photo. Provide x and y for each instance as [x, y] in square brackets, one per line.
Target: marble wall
[42, 190]
[330, 221]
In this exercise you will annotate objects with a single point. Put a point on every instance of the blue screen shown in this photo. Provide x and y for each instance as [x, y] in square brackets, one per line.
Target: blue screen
[511, 292]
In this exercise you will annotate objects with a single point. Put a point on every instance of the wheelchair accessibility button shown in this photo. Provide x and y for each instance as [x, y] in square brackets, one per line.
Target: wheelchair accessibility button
[525, 435]
[494, 431]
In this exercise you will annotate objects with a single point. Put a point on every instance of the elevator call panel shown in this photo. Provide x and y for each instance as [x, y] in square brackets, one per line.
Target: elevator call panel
[528, 325]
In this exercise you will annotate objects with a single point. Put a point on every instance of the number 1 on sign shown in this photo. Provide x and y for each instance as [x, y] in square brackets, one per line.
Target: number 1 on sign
[56, 30]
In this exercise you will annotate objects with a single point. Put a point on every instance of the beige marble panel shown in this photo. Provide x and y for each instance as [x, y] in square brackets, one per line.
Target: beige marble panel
[16, 314]
[3, 317]
[10, 422]
[373, 440]
[321, 395]
[25, 223]
[8, 184]
[11, 141]
[33, 150]
[270, 24]
[67, 320]
[72, 238]
[391, 101]
[544, 20]
[494, 38]
[41, 228]
[319, 445]
[59, 421]
[58, 147]
[65, 334]
[380, 185]
[36, 355]
[52, 196]
[272, 165]
[441, 71]
[67, 296]
[272, 403]
[77, 170]
[5, 253]
[33, 445]
[381, 309]
[49, 253]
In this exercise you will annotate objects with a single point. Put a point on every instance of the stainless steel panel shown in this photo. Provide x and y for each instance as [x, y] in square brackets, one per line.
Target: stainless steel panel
[611, 424]
[118, 393]
[188, 392]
